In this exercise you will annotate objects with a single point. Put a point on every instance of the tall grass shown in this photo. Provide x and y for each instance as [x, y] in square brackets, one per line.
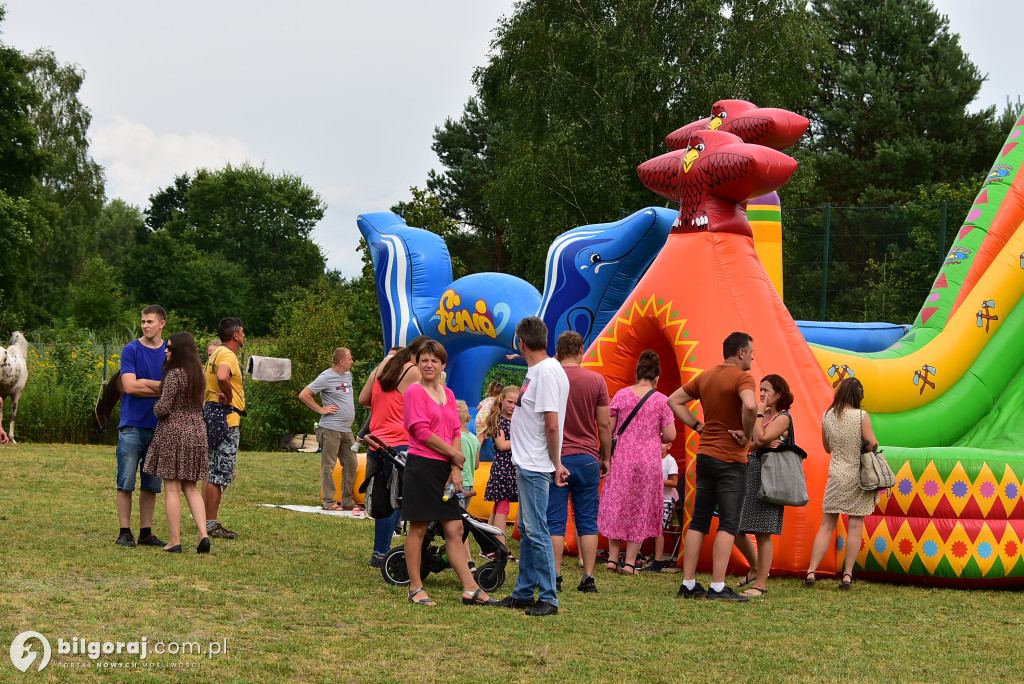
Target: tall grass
[64, 382]
[66, 379]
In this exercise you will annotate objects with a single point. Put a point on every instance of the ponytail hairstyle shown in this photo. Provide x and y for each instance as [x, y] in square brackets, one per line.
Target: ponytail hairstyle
[849, 394]
[491, 426]
[392, 373]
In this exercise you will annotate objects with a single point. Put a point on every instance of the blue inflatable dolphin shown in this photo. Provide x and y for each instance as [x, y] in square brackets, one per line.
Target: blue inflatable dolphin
[590, 270]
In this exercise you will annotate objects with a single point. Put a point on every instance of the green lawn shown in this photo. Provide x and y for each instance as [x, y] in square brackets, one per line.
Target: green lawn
[296, 601]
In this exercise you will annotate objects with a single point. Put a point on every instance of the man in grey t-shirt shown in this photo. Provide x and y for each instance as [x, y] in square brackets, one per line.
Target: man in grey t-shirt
[335, 432]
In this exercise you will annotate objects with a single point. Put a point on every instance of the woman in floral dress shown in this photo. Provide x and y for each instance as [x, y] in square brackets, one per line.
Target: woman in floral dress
[845, 430]
[179, 452]
[632, 498]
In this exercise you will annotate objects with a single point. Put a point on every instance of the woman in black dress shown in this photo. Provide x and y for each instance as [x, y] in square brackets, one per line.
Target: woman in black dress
[773, 428]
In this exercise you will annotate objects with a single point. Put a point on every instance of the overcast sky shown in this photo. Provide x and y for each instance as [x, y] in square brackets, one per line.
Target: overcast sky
[344, 93]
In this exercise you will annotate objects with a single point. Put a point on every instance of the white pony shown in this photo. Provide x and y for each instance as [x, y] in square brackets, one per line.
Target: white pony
[13, 374]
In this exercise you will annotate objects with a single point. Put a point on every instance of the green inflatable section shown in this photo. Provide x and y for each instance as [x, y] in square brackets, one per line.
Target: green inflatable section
[934, 314]
[948, 419]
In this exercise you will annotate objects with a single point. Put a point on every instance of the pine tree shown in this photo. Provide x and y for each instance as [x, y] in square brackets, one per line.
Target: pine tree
[891, 112]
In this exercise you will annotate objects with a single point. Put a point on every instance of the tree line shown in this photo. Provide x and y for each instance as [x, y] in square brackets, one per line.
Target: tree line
[572, 97]
[575, 95]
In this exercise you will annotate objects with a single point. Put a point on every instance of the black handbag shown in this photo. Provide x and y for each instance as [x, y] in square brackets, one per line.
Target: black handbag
[629, 418]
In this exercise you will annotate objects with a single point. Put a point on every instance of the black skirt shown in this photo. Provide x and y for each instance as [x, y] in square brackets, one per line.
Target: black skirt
[422, 485]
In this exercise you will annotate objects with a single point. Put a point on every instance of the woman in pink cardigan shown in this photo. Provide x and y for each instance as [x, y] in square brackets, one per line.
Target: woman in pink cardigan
[435, 460]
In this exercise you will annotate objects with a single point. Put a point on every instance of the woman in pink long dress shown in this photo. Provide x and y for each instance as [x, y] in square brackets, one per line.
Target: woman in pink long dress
[632, 499]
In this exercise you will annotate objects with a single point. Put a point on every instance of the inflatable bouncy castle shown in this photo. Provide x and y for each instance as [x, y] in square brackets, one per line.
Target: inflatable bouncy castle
[946, 396]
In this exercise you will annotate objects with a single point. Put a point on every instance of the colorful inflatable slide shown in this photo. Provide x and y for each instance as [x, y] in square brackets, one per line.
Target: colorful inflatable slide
[947, 399]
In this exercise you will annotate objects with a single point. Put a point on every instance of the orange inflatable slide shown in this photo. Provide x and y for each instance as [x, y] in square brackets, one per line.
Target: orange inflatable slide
[677, 310]
[708, 282]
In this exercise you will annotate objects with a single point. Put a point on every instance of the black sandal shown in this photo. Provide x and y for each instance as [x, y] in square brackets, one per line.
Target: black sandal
[747, 579]
[809, 579]
[423, 601]
[632, 569]
[473, 599]
[846, 585]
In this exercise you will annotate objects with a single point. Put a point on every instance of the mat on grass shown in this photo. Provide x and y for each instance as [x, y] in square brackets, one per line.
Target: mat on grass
[359, 514]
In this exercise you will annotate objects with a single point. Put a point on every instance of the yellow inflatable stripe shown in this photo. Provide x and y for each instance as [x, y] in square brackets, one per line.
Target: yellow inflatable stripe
[907, 382]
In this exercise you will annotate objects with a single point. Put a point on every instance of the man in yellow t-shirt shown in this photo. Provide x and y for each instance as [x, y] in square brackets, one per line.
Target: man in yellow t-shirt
[224, 386]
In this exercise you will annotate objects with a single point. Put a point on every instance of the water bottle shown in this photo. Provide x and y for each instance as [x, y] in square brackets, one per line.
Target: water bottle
[448, 492]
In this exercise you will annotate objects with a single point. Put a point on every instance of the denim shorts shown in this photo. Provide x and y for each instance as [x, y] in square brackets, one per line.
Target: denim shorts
[721, 483]
[583, 483]
[132, 445]
[223, 458]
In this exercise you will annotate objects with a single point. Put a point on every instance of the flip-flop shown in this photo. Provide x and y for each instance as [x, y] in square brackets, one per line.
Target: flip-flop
[759, 594]
[747, 579]
[334, 507]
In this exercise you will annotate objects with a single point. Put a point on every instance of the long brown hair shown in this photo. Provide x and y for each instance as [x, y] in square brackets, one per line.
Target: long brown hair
[392, 373]
[849, 394]
[184, 355]
[491, 426]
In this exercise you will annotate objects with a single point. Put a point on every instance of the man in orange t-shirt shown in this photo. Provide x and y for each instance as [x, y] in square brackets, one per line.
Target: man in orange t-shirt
[726, 393]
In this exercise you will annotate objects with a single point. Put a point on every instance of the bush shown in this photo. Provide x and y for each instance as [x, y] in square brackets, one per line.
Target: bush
[64, 381]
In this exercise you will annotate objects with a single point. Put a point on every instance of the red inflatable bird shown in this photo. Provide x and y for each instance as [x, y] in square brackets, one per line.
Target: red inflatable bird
[712, 176]
[771, 127]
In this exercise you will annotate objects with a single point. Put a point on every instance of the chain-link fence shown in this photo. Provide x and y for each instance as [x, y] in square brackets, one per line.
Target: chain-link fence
[864, 263]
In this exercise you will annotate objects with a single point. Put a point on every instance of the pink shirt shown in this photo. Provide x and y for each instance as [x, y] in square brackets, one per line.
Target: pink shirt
[424, 417]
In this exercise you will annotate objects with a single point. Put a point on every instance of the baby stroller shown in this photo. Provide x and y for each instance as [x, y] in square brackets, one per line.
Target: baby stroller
[490, 576]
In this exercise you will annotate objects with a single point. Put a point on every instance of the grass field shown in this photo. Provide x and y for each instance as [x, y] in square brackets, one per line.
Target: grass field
[295, 601]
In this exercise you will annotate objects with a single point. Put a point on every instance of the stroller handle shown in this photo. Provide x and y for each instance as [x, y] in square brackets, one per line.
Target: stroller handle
[377, 444]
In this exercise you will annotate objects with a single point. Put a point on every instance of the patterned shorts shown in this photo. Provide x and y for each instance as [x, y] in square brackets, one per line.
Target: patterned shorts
[666, 516]
[222, 459]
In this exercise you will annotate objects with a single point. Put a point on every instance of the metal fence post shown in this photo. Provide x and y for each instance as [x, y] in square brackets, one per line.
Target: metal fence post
[824, 261]
[942, 232]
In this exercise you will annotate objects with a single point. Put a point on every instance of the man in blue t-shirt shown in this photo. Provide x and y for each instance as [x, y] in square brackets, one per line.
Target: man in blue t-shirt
[142, 362]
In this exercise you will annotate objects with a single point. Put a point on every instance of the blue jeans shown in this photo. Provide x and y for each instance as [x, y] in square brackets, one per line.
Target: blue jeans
[383, 528]
[132, 445]
[536, 557]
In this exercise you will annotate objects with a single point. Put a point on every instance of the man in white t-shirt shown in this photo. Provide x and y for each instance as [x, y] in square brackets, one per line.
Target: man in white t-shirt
[536, 452]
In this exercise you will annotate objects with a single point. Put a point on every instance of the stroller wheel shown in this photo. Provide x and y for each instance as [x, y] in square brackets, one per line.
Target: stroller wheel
[393, 567]
[490, 577]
